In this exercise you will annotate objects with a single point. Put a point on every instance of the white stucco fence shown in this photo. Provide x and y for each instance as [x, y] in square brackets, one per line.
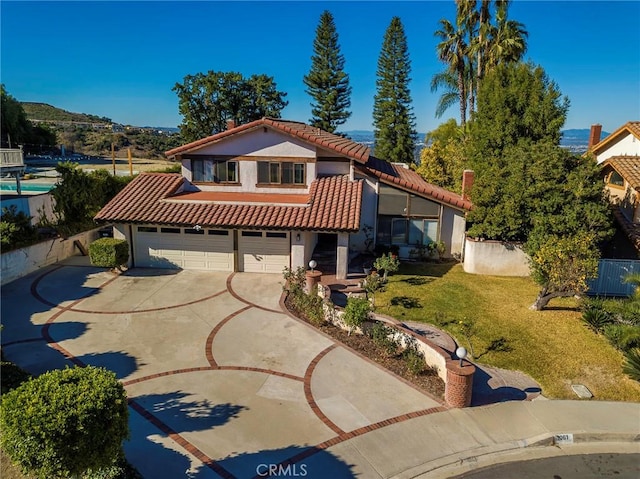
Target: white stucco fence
[495, 258]
[39, 207]
[21, 262]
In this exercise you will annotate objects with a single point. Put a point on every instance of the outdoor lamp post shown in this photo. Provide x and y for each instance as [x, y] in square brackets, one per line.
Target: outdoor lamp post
[312, 264]
[461, 353]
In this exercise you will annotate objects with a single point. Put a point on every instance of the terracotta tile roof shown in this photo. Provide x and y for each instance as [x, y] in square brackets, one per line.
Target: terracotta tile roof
[233, 197]
[631, 127]
[411, 181]
[628, 167]
[316, 136]
[334, 205]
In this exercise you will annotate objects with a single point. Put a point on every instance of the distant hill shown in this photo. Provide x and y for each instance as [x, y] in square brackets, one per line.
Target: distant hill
[45, 112]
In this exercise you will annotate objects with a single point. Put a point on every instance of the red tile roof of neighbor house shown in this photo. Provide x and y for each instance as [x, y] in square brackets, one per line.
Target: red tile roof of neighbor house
[333, 205]
[407, 179]
[336, 144]
[631, 127]
[628, 167]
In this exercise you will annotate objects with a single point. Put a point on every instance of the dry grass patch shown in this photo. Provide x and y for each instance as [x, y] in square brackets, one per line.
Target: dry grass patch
[552, 346]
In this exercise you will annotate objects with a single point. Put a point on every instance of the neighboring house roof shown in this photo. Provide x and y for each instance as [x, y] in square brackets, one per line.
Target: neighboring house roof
[155, 198]
[632, 230]
[337, 144]
[631, 127]
[628, 167]
[405, 178]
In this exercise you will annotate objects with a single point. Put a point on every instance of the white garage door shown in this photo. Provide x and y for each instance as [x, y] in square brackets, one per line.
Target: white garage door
[186, 248]
[263, 251]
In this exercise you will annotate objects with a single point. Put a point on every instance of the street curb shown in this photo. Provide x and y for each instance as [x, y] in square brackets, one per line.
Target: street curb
[470, 460]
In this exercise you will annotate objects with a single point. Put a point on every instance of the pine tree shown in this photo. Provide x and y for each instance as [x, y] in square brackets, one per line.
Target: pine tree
[327, 83]
[393, 118]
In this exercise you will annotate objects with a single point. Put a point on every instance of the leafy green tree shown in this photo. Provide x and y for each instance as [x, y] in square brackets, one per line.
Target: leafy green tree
[206, 102]
[79, 196]
[65, 422]
[442, 160]
[327, 82]
[393, 118]
[516, 103]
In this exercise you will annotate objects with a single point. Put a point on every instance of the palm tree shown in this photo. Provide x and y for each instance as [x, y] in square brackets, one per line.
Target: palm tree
[452, 51]
[508, 38]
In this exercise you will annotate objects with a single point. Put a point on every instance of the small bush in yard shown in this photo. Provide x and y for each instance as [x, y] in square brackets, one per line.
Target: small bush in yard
[623, 336]
[356, 312]
[109, 253]
[11, 376]
[596, 319]
[65, 423]
[632, 364]
[414, 358]
[382, 336]
[306, 305]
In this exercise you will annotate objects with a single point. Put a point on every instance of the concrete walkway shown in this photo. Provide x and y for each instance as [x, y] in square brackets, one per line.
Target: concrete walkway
[222, 383]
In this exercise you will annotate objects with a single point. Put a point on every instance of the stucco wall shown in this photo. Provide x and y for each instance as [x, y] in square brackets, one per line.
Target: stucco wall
[368, 215]
[628, 145]
[452, 231]
[35, 206]
[495, 258]
[21, 262]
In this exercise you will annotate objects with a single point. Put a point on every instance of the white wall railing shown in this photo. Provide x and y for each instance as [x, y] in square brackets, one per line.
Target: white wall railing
[11, 157]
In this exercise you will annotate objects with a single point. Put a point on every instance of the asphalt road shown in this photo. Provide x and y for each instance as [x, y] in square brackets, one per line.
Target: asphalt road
[584, 466]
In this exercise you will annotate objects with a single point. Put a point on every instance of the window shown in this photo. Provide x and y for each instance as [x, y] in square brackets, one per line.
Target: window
[214, 171]
[219, 232]
[276, 235]
[147, 229]
[252, 233]
[170, 230]
[615, 179]
[285, 173]
[407, 231]
[194, 231]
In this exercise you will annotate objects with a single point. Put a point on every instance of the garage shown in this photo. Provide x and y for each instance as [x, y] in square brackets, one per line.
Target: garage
[263, 251]
[185, 248]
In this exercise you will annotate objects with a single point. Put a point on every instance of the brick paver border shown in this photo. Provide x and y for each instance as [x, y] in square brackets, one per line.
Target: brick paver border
[214, 366]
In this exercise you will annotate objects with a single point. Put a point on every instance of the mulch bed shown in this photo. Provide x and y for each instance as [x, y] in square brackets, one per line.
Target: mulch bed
[428, 380]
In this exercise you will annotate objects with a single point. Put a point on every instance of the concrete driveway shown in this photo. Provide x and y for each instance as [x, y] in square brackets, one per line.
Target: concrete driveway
[222, 382]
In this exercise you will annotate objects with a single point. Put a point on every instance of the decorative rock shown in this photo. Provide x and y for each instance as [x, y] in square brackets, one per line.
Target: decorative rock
[582, 391]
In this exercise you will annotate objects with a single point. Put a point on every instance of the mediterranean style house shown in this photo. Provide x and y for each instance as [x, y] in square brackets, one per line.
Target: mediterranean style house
[262, 196]
[619, 158]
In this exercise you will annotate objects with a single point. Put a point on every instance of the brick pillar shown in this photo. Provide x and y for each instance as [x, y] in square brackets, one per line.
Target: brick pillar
[313, 278]
[459, 384]
[467, 183]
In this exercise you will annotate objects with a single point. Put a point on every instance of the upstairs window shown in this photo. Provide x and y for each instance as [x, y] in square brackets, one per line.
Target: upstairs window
[615, 179]
[281, 173]
[214, 171]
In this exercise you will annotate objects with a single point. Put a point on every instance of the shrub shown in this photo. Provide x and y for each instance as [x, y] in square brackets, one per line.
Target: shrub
[596, 319]
[16, 229]
[382, 336]
[11, 376]
[307, 306]
[109, 252]
[414, 359]
[388, 263]
[622, 336]
[65, 422]
[356, 312]
[632, 364]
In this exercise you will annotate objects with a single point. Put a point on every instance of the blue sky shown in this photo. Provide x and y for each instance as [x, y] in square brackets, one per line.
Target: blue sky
[120, 59]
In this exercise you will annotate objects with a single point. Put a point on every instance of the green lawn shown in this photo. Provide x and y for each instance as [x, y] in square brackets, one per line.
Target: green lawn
[552, 346]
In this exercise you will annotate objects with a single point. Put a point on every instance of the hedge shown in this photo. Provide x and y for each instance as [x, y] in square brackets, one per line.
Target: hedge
[109, 252]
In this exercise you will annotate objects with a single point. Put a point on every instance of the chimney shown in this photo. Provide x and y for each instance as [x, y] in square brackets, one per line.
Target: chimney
[231, 124]
[594, 136]
[467, 184]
